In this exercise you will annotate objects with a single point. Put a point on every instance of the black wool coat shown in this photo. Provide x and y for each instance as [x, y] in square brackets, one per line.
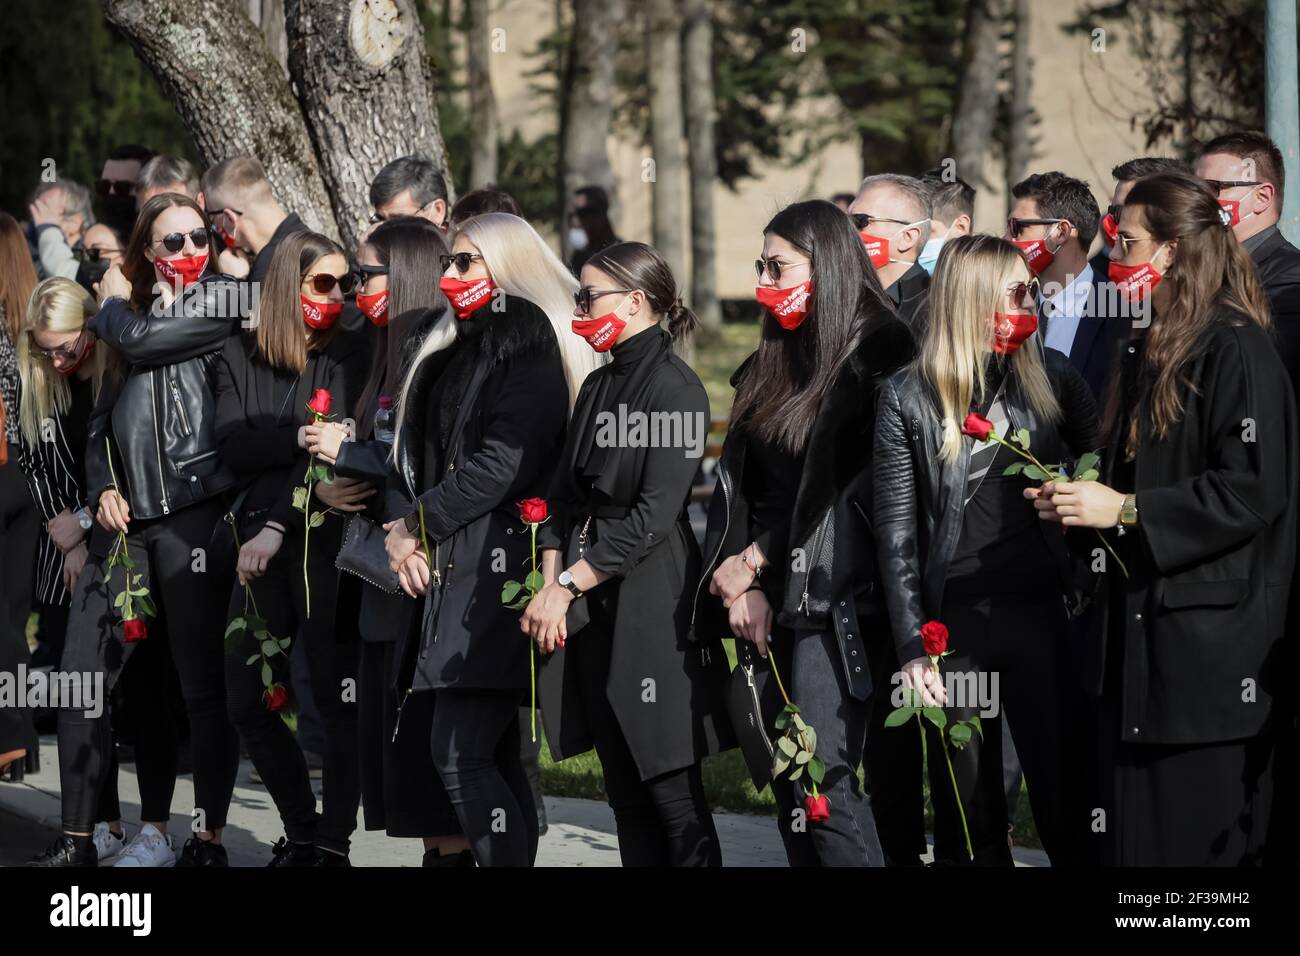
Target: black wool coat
[639, 533]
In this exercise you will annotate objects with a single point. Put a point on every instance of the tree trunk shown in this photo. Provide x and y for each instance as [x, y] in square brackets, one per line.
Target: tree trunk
[362, 77]
[482, 104]
[268, 16]
[977, 98]
[1019, 147]
[701, 118]
[587, 104]
[667, 171]
[226, 86]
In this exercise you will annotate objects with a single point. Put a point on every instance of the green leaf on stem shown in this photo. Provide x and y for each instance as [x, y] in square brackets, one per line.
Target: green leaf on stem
[317, 519]
[786, 746]
[253, 659]
[798, 722]
[1015, 468]
[1022, 438]
[266, 674]
[270, 647]
[779, 764]
[979, 728]
[300, 498]
[900, 716]
[936, 716]
[782, 720]
[817, 770]
[796, 773]
[120, 599]
[1092, 474]
[802, 757]
[1036, 473]
[1085, 464]
[235, 626]
[960, 735]
[534, 582]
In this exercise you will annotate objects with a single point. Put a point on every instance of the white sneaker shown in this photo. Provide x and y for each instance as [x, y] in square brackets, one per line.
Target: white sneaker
[149, 847]
[108, 845]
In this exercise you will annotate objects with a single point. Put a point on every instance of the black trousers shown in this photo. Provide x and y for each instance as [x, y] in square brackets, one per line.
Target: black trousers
[662, 821]
[20, 525]
[892, 761]
[475, 745]
[280, 597]
[186, 560]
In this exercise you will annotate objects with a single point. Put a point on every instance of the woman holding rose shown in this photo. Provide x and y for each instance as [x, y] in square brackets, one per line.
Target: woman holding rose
[618, 556]
[957, 545]
[296, 356]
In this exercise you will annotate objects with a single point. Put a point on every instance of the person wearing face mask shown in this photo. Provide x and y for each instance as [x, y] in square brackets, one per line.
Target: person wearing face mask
[247, 217]
[893, 214]
[618, 559]
[264, 383]
[1204, 516]
[116, 185]
[590, 229]
[481, 422]
[956, 544]
[789, 557]
[952, 203]
[154, 475]
[1125, 175]
[1053, 220]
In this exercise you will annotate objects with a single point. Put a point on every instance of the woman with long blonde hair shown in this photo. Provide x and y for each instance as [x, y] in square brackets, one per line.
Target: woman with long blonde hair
[481, 425]
[957, 544]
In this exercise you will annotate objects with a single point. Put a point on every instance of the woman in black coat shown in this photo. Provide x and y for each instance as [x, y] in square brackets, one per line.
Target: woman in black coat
[264, 383]
[1199, 499]
[956, 545]
[789, 552]
[619, 559]
[476, 437]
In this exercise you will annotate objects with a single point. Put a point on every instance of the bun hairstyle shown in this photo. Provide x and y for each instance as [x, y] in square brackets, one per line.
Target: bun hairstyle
[636, 265]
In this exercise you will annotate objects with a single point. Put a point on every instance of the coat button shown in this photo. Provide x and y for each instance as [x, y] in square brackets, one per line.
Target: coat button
[650, 536]
[853, 653]
[850, 637]
[1137, 617]
[858, 668]
[841, 604]
[1136, 730]
[193, 478]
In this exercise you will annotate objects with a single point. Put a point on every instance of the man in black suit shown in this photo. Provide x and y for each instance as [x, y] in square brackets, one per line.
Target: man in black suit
[892, 214]
[1126, 174]
[1054, 218]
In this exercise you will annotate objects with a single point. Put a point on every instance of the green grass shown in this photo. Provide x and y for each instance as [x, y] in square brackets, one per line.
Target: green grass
[714, 362]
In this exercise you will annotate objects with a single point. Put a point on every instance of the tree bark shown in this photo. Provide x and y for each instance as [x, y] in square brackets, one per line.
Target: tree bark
[362, 77]
[587, 108]
[482, 104]
[268, 16]
[977, 100]
[701, 117]
[666, 133]
[1019, 146]
[227, 87]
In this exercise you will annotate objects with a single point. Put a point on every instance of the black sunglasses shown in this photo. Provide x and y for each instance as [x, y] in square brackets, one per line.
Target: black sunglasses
[462, 260]
[114, 187]
[582, 298]
[1025, 294]
[1114, 210]
[175, 241]
[67, 352]
[863, 220]
[1219, 185]
[1016, 226]
[323, 283]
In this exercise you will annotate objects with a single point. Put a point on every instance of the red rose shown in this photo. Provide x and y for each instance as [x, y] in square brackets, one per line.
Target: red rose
[533, 510]
[817, 807]
[133, 629]
[276, 698]
[934, 638]
[977, 426]
[320, 402]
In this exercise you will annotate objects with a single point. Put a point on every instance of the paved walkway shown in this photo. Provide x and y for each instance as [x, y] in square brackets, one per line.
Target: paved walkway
[581, 831]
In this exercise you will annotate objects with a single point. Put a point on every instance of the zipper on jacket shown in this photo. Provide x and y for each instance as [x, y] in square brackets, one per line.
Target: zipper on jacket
[162, 479]
[812, 563]
[726, 526]
[398, 721]
[180, 406]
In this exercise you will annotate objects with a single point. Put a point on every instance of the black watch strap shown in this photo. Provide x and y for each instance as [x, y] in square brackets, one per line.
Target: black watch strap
[413, 522]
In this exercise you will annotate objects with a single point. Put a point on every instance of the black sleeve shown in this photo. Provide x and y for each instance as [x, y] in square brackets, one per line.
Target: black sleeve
[194, 325]
[246, 450]
[563, 496]
[97, 434]
[665, 487]
[366, 460]
[1080, 424]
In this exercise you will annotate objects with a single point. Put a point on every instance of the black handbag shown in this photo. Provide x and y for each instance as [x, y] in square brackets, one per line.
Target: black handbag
[363, 554]
[746, 691]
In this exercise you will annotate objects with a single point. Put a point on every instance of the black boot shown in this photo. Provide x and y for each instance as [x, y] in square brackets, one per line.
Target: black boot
[285, 853]
[324, 857]
[198, 852]
[68, 850]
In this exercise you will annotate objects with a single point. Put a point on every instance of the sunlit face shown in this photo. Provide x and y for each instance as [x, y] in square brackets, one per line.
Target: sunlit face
[373, 282]
[604, 294]
[1020, 295]
[1024, 211]
[463, 268]
[332, 264]
[173, 220]
[891, 216]
[1135, 244]
[404, 204]
[64, 348]
[789, 263]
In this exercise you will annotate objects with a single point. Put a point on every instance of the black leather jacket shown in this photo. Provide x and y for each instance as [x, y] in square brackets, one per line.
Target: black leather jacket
[919, 498]
[160, 414]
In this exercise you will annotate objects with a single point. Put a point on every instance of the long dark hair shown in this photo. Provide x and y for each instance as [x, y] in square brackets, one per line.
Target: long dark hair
[778, 396]
[409, 247]
[1210, 270]
[139, 270]
[279, 327]
[17, 278]
[638, 266]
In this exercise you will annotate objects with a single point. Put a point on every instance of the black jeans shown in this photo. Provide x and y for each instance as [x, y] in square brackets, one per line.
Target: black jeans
[190, 588]
[280, 597]
[892, 762]
[663, 821]
[809, 661]
[20, 526]
[475, 745]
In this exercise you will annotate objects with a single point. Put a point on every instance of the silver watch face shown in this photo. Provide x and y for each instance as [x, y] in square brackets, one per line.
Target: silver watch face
[84, 519]
[565, 579]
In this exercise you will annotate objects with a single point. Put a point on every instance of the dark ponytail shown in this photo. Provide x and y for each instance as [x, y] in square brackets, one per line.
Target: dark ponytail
[639, 266]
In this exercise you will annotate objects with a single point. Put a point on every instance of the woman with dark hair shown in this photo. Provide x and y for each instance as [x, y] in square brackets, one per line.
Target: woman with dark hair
[617, 555]
[489, 198]
[264, 384]
[589, 227]
[400, 790]
[789, 553]
[957, 545]
[1198, 497]
[163, 488]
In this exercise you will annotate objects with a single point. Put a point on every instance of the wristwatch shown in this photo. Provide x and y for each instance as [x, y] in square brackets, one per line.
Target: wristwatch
[1128, 513]
[84, 519]
[565, 580]
[412, 522]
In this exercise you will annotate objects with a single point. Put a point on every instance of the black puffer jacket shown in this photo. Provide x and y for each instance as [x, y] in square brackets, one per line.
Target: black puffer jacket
[160, 414]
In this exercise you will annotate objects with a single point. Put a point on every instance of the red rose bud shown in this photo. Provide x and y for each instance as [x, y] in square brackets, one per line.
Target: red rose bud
[977, 426]
[133, 629]
[817, 807]
[533, 510]
[934, 638]
[276, 698]
[320, 401]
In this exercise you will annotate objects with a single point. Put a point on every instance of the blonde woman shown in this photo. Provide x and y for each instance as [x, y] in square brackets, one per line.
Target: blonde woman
[958, 545]
[482, 420]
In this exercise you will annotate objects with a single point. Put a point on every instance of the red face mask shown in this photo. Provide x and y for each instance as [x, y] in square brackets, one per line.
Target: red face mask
[189, 268]
[601, 332]
[1233, 206]
[1109, 229]
[81, 360]
[466, 296]
[1036, 251]
[877, 249]
[1134, 283]
[319, 315]
[1010, 329]
[374, 306]
[788, 306]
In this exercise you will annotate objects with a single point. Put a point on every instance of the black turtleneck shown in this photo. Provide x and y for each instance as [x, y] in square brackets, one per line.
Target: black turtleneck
[616, 387]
